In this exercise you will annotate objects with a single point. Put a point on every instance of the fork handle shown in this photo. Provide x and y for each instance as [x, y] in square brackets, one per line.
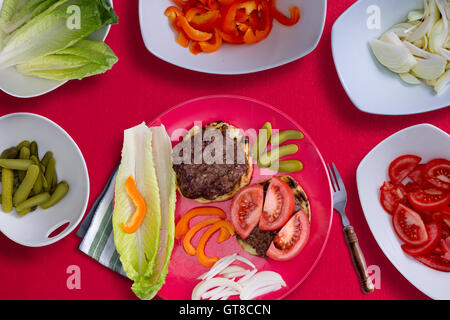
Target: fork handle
[358, 259]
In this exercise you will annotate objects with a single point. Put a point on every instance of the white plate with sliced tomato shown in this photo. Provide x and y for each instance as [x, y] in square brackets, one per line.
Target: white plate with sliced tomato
[246, 114]
[404, 188]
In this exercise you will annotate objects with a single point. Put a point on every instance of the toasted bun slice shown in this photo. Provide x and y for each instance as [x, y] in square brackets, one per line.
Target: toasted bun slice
[242, 141]
[301, 203]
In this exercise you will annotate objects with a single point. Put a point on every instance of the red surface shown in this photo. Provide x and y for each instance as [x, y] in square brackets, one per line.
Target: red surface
[183, 268]
[95, 111]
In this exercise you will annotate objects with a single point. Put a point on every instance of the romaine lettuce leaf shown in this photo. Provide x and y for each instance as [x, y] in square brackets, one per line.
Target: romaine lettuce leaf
[147, 155]
[48, 32]
[162, 156]
[9, 8]
[25, 10]
[137, 250]
[83, 59]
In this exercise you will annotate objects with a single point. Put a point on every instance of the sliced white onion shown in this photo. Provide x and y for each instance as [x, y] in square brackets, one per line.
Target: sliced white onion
[415, 15]
[431, 67]
[246, 261]
[205, 285]
[264, 290]
[260, 280]
[236, 274]
[250, 285]
[425, 27]
[232, 269]
[243, 280]
[397, 58]
[219, 266]
[442, 82]
[442, 9]
[227, 292]
[445, 53]
[402, 30]
[409, 78]
[438, 36]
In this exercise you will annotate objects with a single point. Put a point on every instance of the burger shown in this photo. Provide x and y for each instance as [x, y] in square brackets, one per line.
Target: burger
[212, 163]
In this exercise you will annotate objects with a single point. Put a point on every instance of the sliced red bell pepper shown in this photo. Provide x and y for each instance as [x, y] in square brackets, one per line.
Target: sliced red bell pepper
[214, 44]
[191, 32]
[172, 13]
[229, 24]
[252, 36]
[205, 21]
[182, 39]
[281, 18]
[232, 38]
[194, 48]
[185, 5]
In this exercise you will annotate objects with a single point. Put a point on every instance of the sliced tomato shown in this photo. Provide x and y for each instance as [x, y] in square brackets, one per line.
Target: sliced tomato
[437, 172]
[401, 167]
[412, 187]
[445, 245]
[278, 205]
[446, 219]
[409, 226]
[291, 239]
[391, 196]
[434, 232]
[417, 174]
[428, 200]
[434, 261]
[246, 209]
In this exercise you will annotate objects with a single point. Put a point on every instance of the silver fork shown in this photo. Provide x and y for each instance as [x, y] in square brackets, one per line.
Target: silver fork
[339, 203]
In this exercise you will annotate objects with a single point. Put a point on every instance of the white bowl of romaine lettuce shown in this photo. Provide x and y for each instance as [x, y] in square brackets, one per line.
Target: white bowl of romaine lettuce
[45, 43]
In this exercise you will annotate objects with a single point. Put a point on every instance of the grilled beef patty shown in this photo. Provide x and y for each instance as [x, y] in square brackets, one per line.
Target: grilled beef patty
[209, 181]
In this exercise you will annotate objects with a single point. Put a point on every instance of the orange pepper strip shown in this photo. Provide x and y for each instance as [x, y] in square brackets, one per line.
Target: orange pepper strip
[182, 40]
[251, 37]
[141, 208]
[224, 235]
[281, 18]
[192, 12]
[182, 226]
[187, 245]
[211, 47]
[213, 4]
[206, 21]
[194, 48]
[201, 256]
[192, 33]
[231, 38]
[172, 13]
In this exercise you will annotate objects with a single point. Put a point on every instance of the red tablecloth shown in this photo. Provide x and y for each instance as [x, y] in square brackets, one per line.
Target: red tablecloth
[95, 111]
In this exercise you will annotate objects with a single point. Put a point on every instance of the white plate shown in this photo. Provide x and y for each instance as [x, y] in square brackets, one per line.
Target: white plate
[370, 86]
[284, 44]
[33, 230]
[429, 143]
[20, 86]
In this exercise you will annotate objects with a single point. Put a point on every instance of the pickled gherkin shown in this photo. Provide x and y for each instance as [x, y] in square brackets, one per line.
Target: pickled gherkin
[27, 181]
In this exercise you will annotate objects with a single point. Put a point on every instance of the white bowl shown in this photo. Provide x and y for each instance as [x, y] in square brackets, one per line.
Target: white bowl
[372, 87]
[33, 230]
[284, 44]
[429, 143]
[20, 86]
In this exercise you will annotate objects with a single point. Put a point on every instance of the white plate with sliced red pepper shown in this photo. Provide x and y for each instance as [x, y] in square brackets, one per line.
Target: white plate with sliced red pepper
[231, 36]
[404, 188]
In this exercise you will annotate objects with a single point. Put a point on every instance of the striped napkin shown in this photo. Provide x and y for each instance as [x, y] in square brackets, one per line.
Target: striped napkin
[97, 232]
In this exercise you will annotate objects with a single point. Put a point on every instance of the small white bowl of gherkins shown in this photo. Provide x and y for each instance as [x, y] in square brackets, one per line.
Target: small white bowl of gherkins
[44, 180]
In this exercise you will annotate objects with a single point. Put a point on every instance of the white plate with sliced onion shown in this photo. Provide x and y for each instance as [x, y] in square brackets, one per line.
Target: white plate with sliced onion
[392, 56]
